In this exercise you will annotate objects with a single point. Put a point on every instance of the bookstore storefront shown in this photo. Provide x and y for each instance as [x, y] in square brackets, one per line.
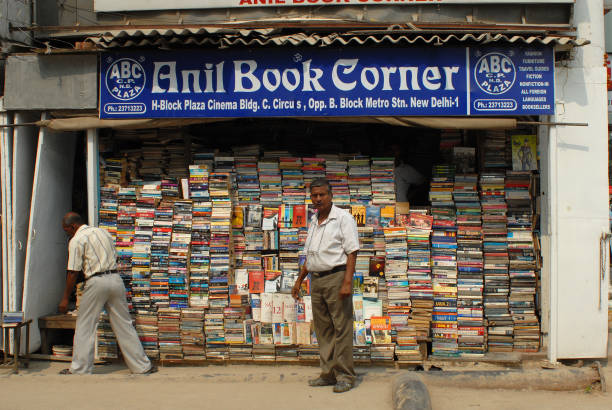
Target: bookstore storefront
[460, 271]
[204, 185]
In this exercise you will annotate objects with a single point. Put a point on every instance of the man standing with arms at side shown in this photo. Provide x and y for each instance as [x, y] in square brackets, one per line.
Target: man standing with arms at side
[91, 251]
[331, 252]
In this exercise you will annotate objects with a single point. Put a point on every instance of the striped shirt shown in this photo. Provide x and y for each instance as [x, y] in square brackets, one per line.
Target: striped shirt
[91, 250]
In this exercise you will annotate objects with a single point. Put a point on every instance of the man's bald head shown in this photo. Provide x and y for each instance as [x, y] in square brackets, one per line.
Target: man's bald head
[71, 223]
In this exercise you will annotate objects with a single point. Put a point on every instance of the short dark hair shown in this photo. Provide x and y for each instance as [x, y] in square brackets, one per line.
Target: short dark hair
[72, 218]
[321, 182]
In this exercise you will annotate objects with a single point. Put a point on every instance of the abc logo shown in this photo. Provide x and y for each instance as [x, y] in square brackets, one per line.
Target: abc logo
[494, 73]
[125, 79]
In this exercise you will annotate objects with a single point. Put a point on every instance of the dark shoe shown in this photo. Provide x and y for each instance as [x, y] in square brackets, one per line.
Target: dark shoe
[342, 387]
[65, 372]
[152, 370]
[318, 382]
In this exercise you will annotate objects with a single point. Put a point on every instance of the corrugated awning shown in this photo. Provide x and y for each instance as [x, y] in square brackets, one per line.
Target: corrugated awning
[474, 123]
[222, 38]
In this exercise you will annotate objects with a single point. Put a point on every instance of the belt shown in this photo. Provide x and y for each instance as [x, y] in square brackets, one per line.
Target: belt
[106, 272]
[332, 270]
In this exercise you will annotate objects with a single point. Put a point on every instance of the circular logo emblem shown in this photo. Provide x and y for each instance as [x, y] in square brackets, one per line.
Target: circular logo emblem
[494, 73]
[125, 79]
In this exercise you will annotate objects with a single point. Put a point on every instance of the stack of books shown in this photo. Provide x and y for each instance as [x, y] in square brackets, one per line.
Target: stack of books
[492, 149]
[359, 180]
[215, 336]
[294, 189]
[419, 271]
[115, 172]
[270, 182]
[337, 175]
[147, 329]
[495, 253]
[192, 334]
[178, 258]
[312, 168]
[470, 279]
[106, 347]
[383, 185]
[248, 180]
[108, 210]
[169, 324]
[160, 253]
[444, 259]
[522, 262]
[141, 253]
[126, 216]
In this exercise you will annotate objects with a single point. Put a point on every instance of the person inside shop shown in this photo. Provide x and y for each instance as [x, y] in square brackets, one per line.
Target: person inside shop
[408, 181]
[331, 252]
[91, 255]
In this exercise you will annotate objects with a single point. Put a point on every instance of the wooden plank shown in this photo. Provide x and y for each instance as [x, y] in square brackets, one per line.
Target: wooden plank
[46, 255]
[50, 357]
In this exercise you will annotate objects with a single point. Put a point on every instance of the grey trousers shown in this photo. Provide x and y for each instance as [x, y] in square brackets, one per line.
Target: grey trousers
[333, 323]
[108, 292]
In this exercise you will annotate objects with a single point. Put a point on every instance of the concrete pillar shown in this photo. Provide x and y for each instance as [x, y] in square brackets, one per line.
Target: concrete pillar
[575, 198]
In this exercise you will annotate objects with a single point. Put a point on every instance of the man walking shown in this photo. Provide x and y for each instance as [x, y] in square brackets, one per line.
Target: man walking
[92, 252]
[331, 252]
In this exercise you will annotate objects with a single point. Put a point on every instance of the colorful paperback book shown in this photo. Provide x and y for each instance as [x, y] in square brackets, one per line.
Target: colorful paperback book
[381, 329]
[372, 215]
[359, 213]
[256, 281]
[377, 266]
[299, 216]
[387, 216]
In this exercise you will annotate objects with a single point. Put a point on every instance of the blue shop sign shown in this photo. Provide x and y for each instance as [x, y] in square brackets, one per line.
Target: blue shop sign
[311, 82]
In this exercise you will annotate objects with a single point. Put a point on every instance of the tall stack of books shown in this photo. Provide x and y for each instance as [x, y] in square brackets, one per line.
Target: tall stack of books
[200, 236]
[178, 290]
[160, 252]
[383, 185]
[398, 289]
[220, 240]
[270, 182]
[126, 216]
[419, 271]
[192, 334]
[495, 248]
[141, 254]
[169, 325]
[444, 260]
[497, 282]
[337, 175]
[522, 266]
[470, 279]
[108, 210]
[359, 180]
[294, 189]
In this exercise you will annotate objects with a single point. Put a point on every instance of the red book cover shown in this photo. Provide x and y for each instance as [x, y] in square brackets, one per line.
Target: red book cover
[256, 281]
[299, 216]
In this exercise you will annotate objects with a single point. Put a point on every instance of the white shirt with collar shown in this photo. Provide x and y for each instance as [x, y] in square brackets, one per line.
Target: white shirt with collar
[329, 242]
[91, 250]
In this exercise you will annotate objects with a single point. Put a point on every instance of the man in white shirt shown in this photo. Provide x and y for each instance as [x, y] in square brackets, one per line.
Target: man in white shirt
[331, 253]
[91, 251]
